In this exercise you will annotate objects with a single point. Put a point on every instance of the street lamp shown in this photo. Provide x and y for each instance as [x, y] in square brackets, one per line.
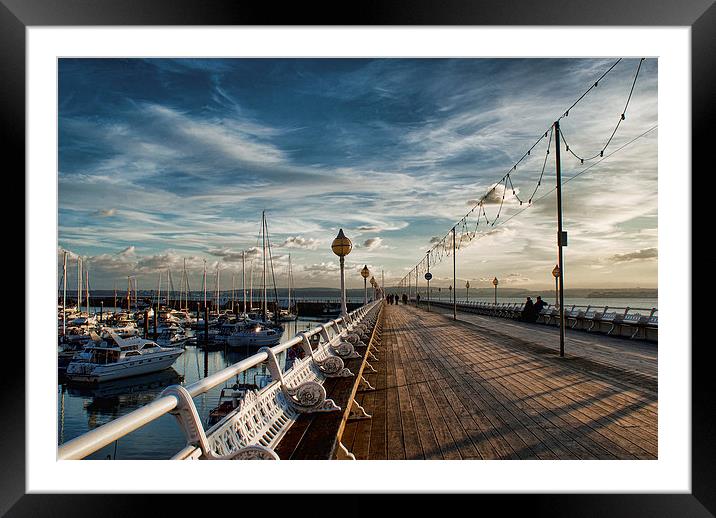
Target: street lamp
[555, 274]
[495, 282]
[365, 272]
[467, 287]
[342, 246]
[373, 283]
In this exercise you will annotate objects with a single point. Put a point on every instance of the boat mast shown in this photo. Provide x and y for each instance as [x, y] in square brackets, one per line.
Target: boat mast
[183, 287]
[79, 284]
[273, 274]
[218, 290]
[129, 290]
[263, 253]
[64, 290]
[115, 296]
[289, 283]
[243, 277]
[159, 289]
[87, 291]
[251, 284]
[233, 293]
[204, 281]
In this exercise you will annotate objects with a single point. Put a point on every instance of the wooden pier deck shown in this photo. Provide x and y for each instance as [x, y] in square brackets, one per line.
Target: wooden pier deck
[464, 390]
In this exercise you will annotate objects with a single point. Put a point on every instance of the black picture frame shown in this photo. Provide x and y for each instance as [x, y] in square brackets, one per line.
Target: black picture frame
[17, 15]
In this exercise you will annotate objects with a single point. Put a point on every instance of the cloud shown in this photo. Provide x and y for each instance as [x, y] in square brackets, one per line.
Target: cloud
[495, 195]
[372, 243]
[639, 255]
[509, 278]
[130, 251]
[234, 256]
[300, 242]
[105, 213]
[321, 270]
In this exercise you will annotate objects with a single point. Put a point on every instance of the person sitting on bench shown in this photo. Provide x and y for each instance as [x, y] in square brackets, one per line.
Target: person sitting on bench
[539, 306]
[528, 312]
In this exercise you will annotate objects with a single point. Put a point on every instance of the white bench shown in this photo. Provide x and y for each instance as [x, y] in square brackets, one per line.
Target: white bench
[263, 417]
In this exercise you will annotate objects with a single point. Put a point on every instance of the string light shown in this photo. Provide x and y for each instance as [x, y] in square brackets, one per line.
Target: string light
[442, 249]
[622, 117]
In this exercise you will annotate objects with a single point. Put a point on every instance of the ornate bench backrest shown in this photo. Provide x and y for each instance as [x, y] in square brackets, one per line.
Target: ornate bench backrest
[264, 416]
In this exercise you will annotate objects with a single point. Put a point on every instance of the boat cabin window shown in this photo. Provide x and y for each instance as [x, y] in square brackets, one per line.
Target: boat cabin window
[104, 356]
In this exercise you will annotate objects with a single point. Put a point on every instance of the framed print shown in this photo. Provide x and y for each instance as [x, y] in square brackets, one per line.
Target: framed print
[427, 241]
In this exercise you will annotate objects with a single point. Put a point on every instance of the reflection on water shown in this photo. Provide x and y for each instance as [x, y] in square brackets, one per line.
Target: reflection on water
[83, 408]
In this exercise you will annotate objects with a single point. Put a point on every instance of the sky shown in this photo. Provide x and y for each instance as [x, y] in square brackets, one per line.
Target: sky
[167, 160]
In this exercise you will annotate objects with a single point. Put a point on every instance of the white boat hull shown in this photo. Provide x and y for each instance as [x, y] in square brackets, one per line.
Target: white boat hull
[111, 371]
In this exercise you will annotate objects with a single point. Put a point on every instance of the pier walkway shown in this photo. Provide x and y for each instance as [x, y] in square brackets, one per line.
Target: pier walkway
[632, 361]
[484, 388]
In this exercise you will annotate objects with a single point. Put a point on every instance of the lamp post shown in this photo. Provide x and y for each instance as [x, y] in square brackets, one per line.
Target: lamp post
[428, 276]
[373, 283]
[467, 288]
[342, 246]
[555, 274]
[365, 272]
[495, 282]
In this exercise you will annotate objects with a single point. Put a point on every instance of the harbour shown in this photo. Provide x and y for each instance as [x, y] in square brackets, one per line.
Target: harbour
[83, 408]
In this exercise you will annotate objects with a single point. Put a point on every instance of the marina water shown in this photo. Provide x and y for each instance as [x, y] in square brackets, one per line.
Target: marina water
[81, 409]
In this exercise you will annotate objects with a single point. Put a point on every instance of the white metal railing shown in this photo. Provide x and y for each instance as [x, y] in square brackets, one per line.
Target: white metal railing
[627, 321]
[100, 437]
[482, 304]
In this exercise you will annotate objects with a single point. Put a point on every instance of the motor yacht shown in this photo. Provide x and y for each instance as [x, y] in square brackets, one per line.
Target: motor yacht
[117, 357]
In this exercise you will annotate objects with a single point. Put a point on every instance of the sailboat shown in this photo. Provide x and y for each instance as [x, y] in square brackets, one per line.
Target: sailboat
[290, 314]
[259, 332]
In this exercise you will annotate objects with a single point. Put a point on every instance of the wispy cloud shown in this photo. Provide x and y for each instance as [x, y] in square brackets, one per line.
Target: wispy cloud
[163, 159]
[639, 255]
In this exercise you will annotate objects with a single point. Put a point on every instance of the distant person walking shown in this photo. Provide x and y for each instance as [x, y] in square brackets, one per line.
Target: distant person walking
[405, 299]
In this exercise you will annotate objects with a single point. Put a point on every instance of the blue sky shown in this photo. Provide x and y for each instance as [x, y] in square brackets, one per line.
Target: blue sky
[162, 160]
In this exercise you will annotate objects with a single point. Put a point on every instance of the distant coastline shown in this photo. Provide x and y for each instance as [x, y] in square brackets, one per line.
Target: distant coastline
[641, 293]
[612, 293]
